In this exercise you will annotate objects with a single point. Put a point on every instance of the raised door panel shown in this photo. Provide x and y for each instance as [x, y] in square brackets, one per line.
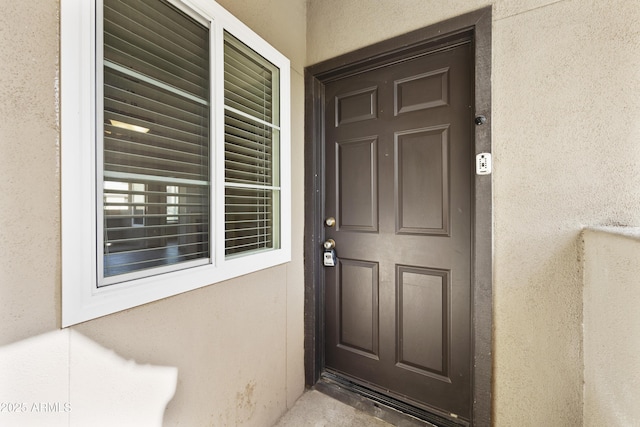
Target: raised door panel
[357, 184]
[358, 307]
[356, 106]
[422, 181]
[422, 91]
[422, 320]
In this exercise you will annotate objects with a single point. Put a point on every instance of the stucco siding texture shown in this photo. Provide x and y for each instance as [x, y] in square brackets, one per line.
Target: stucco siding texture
[566, 155]
[565, 140]
[611, 327]
[228, 342]
[563, 144]
[237, 345]
[29, 171]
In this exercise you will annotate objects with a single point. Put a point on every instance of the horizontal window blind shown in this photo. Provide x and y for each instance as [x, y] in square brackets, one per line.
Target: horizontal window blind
[156, 137]
[252, 192]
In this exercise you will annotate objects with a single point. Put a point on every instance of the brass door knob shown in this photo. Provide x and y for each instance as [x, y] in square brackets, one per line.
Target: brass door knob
[329, 244]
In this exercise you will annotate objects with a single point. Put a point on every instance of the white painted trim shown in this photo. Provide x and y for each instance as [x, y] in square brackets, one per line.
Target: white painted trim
[77, 159]
[82, 300]
[217, 184]
[250, 117]
[155, 83]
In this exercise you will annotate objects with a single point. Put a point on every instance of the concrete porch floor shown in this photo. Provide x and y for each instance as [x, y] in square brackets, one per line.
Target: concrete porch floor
[316, 409]
[335, 407]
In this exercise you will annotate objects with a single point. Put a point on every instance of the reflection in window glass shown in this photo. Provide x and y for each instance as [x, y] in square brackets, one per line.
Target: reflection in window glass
[155, 145]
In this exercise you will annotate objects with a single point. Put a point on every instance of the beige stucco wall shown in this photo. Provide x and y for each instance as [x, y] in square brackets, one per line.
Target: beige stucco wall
[237, 346]
[566, 75]
[565, 139]
[611, 327]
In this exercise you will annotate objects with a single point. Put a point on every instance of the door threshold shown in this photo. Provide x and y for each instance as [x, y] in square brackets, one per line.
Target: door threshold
[379, 405]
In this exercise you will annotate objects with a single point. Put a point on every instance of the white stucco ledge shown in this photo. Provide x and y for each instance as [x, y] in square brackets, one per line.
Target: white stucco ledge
[611, 322]
[623, 231]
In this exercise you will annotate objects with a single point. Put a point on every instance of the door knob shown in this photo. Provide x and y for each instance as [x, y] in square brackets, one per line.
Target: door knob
[330, 222]
[329, 244]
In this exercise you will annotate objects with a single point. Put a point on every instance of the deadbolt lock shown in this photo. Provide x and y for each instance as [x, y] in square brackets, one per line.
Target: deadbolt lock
[330, 222]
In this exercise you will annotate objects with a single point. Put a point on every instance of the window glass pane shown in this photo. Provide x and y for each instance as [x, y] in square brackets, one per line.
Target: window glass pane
[157, 40]
[156, 137]
[251, 97]
[249, 220]
[173, 207]
[248, 150]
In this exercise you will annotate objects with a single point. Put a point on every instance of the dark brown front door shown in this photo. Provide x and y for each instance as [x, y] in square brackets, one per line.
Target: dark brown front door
[399, 180]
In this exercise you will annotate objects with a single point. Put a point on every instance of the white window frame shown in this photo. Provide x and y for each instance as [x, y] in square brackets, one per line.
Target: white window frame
[82, 300]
